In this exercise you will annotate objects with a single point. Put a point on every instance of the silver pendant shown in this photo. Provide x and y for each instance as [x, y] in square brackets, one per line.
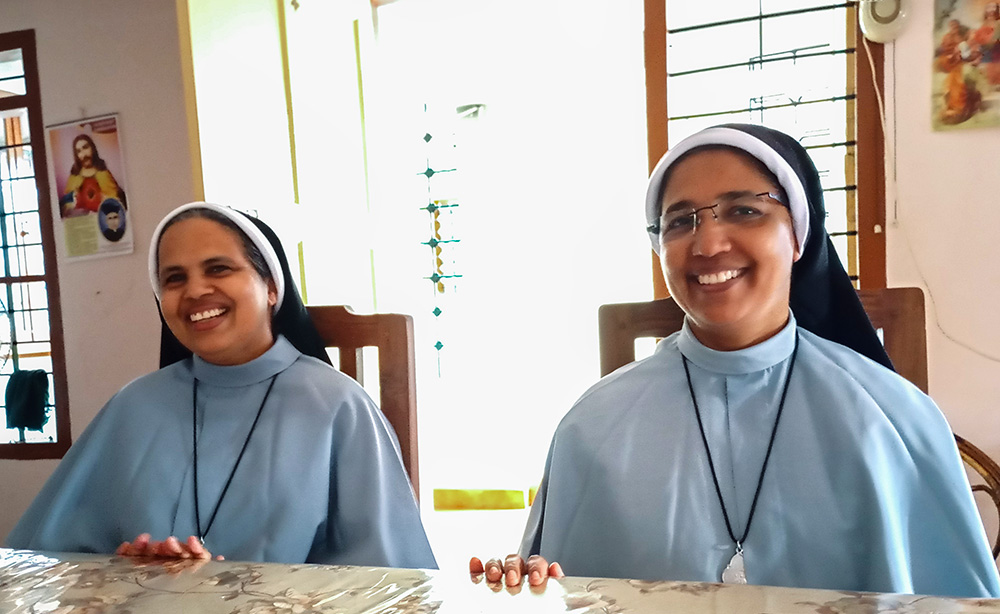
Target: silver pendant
[735, 572]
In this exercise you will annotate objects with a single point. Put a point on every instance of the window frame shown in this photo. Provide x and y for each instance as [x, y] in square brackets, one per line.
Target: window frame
[32, 101]
[869, 164]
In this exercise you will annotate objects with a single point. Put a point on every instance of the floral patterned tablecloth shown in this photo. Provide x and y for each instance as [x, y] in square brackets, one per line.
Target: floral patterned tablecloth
[92, 584]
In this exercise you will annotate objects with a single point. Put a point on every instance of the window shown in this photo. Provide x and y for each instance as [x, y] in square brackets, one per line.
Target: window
[531, 219]
[797, 66]
[30, 320]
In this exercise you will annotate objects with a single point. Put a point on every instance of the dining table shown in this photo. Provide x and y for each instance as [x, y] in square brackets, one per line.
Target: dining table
[73, 583]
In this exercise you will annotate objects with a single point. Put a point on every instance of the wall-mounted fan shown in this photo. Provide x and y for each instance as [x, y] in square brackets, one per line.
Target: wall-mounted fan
[882, 20]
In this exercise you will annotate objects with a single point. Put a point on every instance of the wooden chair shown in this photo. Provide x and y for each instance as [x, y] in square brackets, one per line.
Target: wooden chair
[989, 472]
[392, 334]
[898, 313]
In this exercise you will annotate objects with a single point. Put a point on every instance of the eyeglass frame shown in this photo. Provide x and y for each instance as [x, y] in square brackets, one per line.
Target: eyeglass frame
[655, 228]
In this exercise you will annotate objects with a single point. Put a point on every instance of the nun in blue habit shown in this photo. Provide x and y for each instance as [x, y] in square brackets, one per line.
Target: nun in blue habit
[769, 441]
[246, 439]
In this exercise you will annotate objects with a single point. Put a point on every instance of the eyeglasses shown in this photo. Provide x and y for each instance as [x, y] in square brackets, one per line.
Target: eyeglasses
[735, 210]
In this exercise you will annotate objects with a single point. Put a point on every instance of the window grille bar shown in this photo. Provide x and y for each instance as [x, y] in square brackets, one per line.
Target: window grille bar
[760, 17]
[753, 109]
[21, 279]
[830, 145]
[13, 357]
[4, 214]
[35, 244]
[12, 180]
[759, 61]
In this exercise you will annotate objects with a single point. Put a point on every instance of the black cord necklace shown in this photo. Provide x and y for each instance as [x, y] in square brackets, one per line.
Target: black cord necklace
[735, 571]
[194, 432]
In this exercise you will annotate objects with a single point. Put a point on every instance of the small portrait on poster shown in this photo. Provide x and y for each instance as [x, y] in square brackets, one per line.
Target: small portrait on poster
[966, 66]
[88, 171]
[111, 219]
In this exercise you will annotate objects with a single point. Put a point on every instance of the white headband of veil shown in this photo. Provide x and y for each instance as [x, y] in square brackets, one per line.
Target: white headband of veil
[791, 183]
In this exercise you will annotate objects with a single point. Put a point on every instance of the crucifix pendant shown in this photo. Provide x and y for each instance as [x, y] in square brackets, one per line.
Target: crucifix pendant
[735, 572]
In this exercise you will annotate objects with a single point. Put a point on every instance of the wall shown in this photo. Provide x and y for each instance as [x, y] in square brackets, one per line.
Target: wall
[943, 236]
[96, 57]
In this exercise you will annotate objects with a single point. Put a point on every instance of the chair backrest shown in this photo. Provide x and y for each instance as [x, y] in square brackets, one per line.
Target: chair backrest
[897, 312]
[392, 334]
[989, 473]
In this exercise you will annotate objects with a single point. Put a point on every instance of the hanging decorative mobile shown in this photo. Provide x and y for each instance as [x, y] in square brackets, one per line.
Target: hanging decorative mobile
[440, 214]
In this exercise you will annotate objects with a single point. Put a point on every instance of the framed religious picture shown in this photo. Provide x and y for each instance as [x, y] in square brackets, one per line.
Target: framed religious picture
[966, 65]
[88, 172]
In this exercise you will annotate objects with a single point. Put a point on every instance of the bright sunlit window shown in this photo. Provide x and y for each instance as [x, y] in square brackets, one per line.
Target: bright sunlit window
[504, 150]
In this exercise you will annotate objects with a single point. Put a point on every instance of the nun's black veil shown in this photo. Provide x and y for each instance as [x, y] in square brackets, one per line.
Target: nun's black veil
[822, 297]
[292, 319]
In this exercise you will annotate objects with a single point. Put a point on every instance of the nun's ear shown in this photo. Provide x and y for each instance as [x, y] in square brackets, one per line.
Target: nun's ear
[272, 293]
[796, 252]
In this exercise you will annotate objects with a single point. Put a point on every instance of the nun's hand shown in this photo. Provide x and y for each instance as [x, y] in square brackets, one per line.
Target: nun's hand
[513, 568]
[171, 548]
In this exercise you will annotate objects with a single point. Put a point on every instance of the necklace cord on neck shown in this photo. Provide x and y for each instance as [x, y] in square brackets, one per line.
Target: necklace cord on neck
[767, 456]
[194, 431]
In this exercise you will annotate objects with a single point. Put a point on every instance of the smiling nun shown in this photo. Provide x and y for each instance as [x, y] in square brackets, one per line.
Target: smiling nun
[246, 444]
[768, 441]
